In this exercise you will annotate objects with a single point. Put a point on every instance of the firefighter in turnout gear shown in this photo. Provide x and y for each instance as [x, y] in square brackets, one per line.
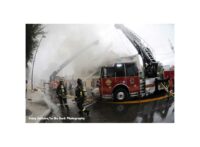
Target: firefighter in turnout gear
[62, 92]
[80, 97]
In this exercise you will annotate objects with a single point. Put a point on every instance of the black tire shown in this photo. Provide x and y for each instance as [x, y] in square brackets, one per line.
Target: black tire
[120, 94]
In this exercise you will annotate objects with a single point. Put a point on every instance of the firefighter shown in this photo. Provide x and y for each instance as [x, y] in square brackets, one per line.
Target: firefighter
[61, 93]
[80, 97]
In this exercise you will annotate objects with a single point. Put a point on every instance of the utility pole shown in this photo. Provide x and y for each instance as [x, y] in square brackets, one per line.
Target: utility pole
[171, 45]
[34, 62]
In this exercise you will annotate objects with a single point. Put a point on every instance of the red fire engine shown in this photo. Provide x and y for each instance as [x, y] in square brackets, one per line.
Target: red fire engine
[55, 82]
[124, 80]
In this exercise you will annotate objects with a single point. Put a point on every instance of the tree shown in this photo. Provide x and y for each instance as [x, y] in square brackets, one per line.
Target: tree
[32, 40]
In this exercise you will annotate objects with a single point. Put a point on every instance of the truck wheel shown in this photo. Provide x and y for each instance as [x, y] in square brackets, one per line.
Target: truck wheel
[120, 94]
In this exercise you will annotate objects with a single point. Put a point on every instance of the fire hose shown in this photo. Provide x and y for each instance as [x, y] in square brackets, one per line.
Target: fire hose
[166, 89]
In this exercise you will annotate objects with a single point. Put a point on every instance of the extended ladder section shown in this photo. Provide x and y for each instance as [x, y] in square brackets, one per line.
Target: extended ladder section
[142, 87]
[150, 64]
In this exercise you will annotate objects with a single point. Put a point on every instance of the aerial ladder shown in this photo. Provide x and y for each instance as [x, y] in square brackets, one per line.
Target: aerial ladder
[67, 61]
[149, 62]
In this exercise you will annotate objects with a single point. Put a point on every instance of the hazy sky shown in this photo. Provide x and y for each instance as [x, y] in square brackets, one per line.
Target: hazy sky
[157, 36]
[63, 41]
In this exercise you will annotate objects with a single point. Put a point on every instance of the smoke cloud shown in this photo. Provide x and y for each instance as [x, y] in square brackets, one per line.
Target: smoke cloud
[64, 41]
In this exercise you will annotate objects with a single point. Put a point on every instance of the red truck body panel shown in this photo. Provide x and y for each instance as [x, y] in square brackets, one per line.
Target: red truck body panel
[107, 85]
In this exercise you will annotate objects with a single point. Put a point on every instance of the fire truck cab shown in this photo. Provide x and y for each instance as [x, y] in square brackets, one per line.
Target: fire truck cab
[120, 81]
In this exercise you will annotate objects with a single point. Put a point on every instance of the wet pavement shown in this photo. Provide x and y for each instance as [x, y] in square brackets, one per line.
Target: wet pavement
[156, 111]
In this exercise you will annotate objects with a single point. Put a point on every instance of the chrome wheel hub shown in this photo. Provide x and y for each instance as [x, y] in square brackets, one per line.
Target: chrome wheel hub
[120, 95]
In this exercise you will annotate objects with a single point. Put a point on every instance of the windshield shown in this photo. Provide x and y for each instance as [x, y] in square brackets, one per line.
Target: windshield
[107, 72]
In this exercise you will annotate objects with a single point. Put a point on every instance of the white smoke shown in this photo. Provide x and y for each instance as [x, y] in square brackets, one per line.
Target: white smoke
[63, 41]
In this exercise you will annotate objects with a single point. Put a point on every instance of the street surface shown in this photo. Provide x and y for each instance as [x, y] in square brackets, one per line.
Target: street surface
[106, 111]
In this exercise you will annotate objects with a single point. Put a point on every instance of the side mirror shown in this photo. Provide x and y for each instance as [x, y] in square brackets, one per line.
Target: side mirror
[98, 83]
